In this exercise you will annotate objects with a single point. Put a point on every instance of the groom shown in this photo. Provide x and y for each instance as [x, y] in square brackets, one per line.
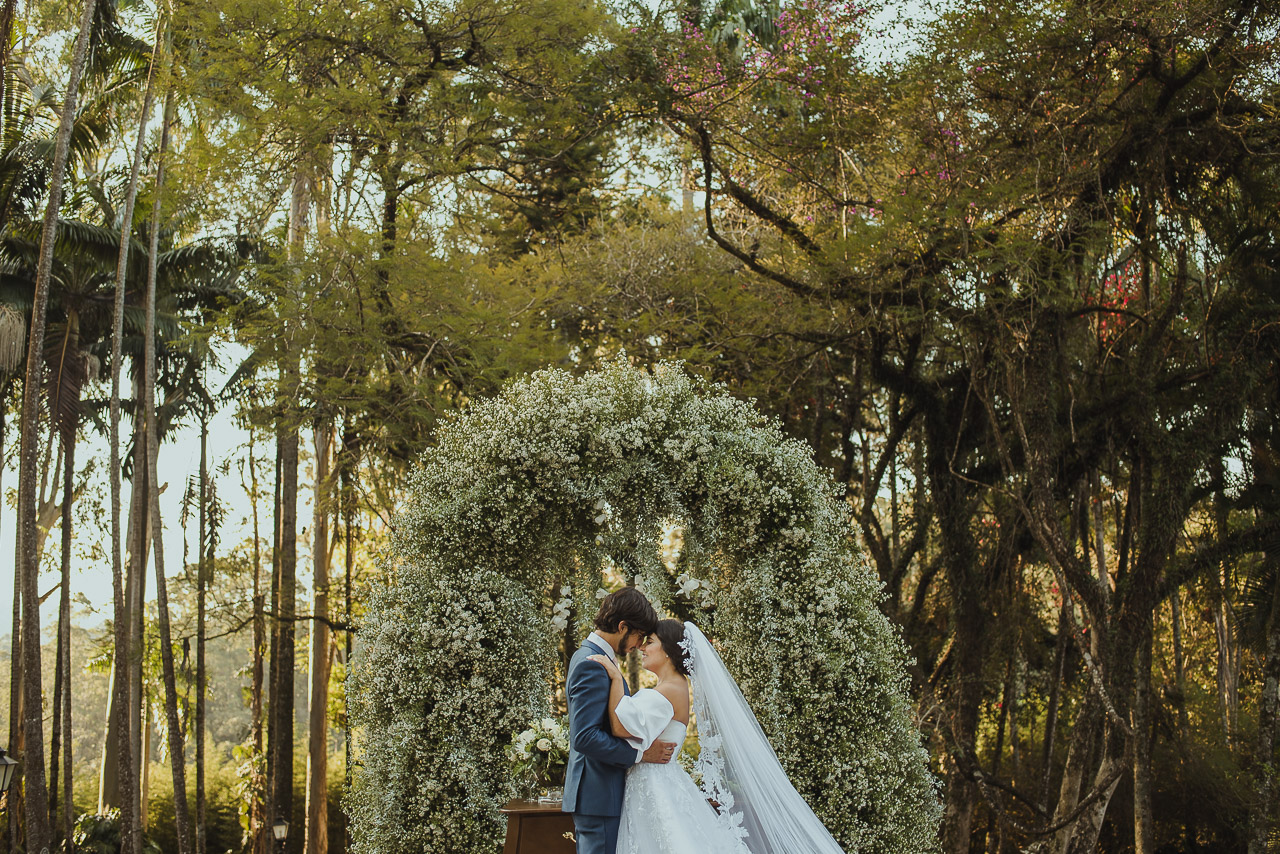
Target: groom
[598, 760]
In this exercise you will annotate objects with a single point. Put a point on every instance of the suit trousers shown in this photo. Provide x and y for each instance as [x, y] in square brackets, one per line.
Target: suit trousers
[596, 834]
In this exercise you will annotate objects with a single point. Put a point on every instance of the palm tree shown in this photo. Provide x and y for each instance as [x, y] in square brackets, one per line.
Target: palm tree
[120, 747]
[176, 750]
[37, 818]
[33, 163]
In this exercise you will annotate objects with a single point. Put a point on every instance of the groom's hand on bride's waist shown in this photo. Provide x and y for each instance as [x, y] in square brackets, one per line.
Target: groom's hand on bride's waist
[659, 753]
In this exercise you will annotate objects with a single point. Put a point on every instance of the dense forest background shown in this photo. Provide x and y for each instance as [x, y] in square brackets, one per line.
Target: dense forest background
[1009, 268]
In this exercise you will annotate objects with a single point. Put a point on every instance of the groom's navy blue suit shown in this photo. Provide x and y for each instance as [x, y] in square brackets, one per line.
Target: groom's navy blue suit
[598, 760]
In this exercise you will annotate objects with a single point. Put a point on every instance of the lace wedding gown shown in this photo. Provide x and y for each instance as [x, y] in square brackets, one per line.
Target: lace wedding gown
[663, 810]
[760, 811]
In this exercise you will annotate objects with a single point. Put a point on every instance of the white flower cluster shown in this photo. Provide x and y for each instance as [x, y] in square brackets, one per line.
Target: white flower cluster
[561, 610]
[694, 590]
[561, 478]
[830, 598]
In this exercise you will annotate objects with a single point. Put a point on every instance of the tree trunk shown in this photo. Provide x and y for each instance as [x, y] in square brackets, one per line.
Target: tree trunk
[1140, 720]
[144, 777]
[1122, 654]
[257, 813]
[317, 828]
[117, 744]
[1262, 811]
[280, 734]
[55, 728]
[350, 464]
[1055, 699]
[37, 795]
[1086, 828]
[109, 770]
[1084, 735]
[64, 402]
[124, 718]
[967, 618]
[990, 841]
[280, 737]
[966, 700]
[63, 670]
[277, 549]
[390, 181]
[1228, 650]
[12, 798]
[1179, 665]
[202, 576]
[136, 595]
[68, 805]
[1228, 697]
[6, 41]
[1184, 720]
[177, 759]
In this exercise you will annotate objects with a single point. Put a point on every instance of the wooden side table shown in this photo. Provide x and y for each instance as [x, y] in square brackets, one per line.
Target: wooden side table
[538, 827]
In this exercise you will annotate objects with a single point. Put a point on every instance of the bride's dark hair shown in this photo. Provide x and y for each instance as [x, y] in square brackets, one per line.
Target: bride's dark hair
[670, 633]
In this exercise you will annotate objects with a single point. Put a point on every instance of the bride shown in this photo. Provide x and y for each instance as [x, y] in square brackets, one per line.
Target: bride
[757, 809]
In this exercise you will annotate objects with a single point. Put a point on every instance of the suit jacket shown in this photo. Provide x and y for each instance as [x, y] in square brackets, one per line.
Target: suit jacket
[598, 759]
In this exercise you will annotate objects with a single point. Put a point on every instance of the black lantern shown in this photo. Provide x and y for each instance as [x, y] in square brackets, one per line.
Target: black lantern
[280, 829]
[7, 766]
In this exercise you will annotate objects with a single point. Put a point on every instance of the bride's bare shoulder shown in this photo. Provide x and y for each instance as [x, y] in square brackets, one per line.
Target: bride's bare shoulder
[677, 693]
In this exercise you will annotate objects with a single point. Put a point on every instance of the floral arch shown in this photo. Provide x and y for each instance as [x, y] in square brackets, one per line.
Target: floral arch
[538, 489]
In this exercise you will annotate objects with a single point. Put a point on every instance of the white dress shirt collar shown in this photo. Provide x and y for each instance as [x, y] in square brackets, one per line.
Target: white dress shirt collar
[604, 645]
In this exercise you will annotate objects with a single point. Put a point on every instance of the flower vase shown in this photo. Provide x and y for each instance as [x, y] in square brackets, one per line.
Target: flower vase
[550, 787]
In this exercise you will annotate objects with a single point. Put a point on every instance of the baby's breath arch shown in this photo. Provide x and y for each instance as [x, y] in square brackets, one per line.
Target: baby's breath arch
[559, 476]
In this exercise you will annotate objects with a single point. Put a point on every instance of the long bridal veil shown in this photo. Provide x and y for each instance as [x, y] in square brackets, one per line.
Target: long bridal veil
[739, 769]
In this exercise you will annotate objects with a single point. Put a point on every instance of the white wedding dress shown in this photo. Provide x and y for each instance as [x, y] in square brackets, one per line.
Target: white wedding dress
[663, 810]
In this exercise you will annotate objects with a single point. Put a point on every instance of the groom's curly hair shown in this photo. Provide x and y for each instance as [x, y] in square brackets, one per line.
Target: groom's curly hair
[627, 605]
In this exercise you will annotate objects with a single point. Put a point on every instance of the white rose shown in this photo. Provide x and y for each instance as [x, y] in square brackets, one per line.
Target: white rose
[544, 744]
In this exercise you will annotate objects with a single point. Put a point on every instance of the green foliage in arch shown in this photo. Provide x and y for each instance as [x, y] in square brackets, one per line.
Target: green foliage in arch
[541, 487]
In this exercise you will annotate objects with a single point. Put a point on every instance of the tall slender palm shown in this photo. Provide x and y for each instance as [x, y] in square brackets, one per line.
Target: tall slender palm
[37, 819]
[176, 749]
[202, 579]
[32, 161]
[119, 748]
[68, 428]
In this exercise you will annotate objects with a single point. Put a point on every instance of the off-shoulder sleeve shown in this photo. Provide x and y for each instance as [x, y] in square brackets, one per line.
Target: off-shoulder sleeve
[645, 715]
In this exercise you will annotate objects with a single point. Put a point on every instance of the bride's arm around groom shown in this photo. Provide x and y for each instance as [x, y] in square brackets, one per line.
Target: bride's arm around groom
[588, 696]
[598, 760]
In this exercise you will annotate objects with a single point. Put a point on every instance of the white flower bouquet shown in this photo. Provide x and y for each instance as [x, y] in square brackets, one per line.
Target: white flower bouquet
[541, 752]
